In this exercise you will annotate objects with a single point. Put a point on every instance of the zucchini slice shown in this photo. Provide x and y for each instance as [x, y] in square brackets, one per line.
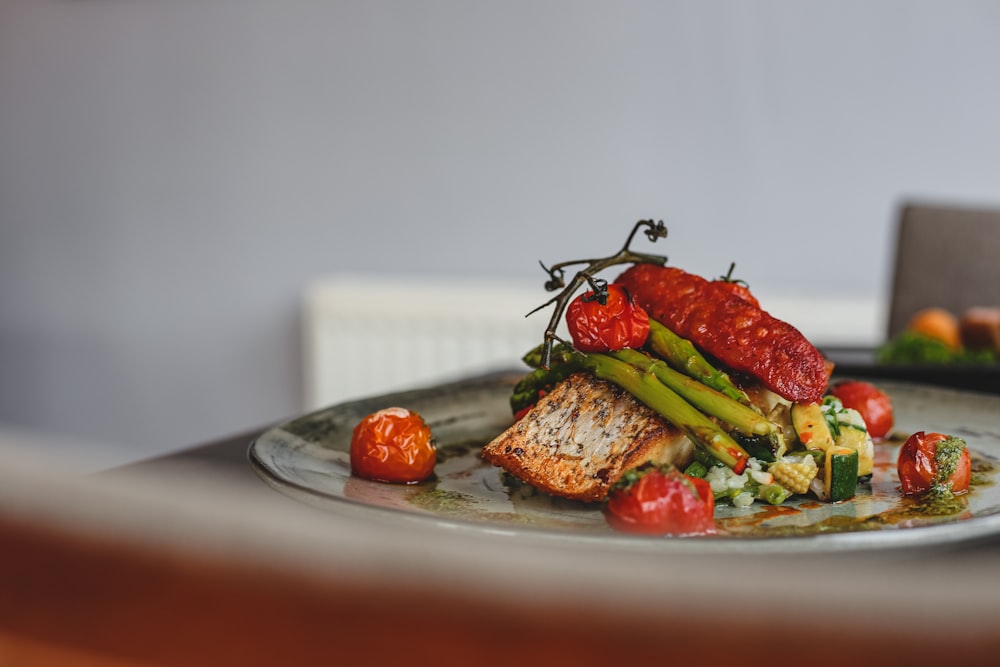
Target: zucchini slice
[840, 474]
[853, 437]
[810, 426]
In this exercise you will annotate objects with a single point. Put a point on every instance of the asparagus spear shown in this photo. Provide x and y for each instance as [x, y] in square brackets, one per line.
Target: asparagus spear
[745, 418]
[681, 354]
[526, 391]
[646, 387]
[565, 360]
[561, 354]
[703, 397]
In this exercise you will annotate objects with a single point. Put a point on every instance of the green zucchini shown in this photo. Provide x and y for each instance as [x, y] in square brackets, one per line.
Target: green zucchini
[856, 438]
[840, 474]
[849, 430]
[810, 426]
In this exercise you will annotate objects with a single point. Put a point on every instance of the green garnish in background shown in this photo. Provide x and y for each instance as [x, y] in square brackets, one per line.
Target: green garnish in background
[913, 348]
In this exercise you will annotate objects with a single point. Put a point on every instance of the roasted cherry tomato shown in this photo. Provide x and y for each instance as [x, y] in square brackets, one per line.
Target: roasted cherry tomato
[614, 325]
[393, 445]
[927, 460]
[737, 287]
[662, 502]
[874, 406]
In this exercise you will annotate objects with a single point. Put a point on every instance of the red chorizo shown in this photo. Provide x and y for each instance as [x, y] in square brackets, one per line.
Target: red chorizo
[733, 330]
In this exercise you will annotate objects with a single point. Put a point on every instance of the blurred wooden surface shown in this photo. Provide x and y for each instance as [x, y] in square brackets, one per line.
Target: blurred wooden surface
[190, 560]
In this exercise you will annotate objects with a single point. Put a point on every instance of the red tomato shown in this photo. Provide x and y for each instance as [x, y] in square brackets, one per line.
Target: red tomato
[929, 459]
[736, 287]
[662, 503]
[615, 325]
[393, 445]
[874, 406]
[519, 415]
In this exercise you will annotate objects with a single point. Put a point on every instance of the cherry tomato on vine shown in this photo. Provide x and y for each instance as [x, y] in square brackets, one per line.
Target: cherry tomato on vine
[736, 287]
[874, 405]
[662, 502]
[928, 459]
[393, 445]
[617, 324]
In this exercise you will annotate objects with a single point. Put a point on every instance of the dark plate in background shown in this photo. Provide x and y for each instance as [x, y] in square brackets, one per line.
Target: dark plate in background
[860, 363]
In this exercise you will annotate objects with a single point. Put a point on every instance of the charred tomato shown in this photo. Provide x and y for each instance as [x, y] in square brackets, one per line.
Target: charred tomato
[608, 321]
[661, 501]
[393, 445]
[933, 460]
[874, 406]
[736, 287]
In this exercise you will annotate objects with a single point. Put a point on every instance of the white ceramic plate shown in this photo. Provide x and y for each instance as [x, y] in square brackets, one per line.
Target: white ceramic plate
[307, 458]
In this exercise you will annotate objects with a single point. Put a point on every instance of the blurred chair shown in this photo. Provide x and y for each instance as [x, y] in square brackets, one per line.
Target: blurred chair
[945, 257]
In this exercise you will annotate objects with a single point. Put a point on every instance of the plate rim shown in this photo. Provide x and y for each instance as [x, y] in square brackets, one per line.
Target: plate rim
[928, 536]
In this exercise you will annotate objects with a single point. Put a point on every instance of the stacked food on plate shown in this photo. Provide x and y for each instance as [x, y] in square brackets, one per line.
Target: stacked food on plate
[673, 393]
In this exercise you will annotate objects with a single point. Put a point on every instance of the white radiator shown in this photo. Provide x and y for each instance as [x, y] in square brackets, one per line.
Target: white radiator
[367, 335]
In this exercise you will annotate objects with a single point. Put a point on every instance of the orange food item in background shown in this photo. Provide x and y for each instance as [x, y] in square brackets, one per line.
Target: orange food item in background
[939, 324]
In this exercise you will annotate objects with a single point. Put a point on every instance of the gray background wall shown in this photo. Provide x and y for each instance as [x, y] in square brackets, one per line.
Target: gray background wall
[172, 174]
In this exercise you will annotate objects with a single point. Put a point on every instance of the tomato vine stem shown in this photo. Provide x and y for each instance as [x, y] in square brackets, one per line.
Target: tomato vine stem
[557, 278]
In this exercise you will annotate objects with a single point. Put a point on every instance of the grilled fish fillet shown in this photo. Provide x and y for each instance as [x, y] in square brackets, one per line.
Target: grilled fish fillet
[581, 437]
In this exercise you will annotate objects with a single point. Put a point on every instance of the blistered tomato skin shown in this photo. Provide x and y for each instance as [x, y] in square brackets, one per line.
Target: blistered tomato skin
[740, 290]
[615, 325]
[737, 287]
[929, 460]
[393, 445]
[874, 406]
[663, 503]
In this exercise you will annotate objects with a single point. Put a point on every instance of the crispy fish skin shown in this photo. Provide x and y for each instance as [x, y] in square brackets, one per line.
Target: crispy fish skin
[581, 437]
